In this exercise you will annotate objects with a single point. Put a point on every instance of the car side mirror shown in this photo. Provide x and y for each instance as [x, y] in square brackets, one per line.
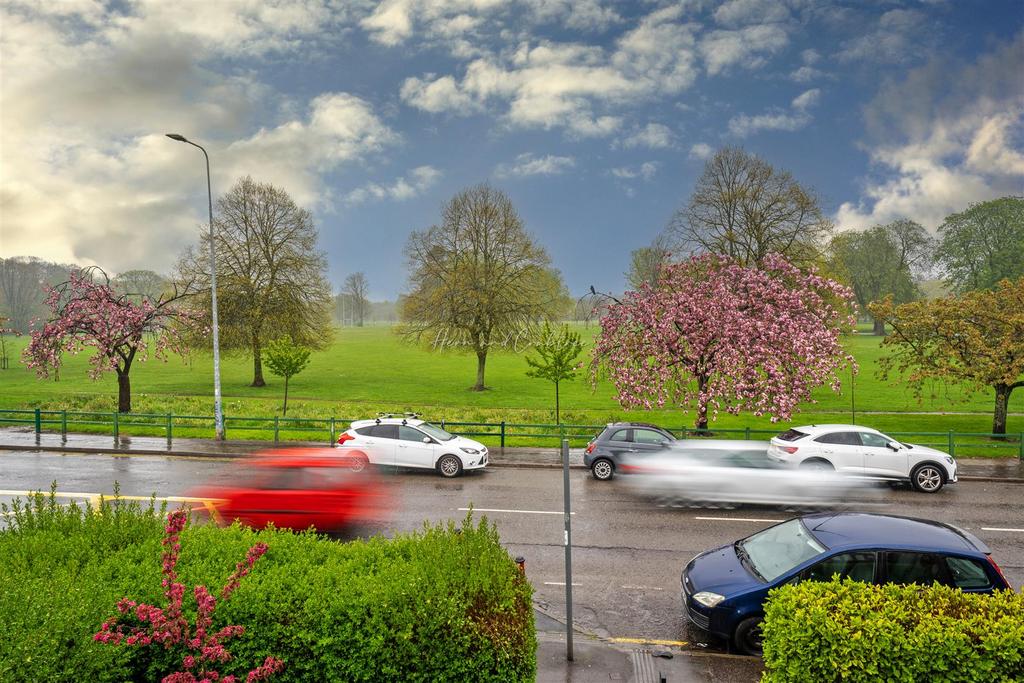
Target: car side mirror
[894, 445]
[427, 439]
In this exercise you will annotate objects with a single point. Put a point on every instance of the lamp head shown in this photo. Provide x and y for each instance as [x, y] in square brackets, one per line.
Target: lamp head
[176, 136]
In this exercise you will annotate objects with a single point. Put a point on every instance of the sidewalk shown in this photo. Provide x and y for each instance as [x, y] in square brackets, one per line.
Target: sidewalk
[597, 660]
[11, 438]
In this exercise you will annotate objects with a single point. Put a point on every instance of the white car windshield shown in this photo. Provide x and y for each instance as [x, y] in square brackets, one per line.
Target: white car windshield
[775, 551]
[436, 432]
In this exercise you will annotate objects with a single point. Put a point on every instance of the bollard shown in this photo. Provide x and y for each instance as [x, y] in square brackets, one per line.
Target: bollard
[521, 563]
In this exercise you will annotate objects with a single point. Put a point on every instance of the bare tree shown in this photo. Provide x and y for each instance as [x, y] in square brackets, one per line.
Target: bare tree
[355, 289]
[645, 263]
[21, 290]
[478, 279]
[270, 274]
[745, 208]
[141, 285]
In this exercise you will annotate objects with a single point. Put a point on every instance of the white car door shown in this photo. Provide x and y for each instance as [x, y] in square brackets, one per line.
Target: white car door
[842, 449]
[412, 450]
[881, 460]
[379, 443]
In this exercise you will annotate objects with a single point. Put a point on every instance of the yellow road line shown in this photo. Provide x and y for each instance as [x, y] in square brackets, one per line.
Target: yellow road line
[649, 641]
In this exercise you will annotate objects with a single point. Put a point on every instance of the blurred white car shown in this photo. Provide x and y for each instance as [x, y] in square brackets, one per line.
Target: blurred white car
[724, 473]
[407, 441]
[852, 449]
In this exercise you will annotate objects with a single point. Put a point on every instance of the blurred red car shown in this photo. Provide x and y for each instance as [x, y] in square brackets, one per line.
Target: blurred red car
[296, 489]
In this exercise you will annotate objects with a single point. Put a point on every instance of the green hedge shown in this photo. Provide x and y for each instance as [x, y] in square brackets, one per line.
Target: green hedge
[444, 604]
[851, 631]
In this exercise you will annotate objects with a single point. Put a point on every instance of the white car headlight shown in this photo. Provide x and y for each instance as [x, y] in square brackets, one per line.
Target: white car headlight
[471, 451]
[708, 599]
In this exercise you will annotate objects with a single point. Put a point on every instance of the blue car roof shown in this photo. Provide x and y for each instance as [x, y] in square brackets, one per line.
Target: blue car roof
[850, 530]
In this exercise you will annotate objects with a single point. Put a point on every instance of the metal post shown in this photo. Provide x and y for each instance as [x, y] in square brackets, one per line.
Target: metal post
[853, 400]
[39, 422]
[117, 428]
[170, 429]
[746, 433]
[568, 549]
[64, 425]
[952, 443]
[1020, 444]
[276, 428]
[332, 431]
[503, 436]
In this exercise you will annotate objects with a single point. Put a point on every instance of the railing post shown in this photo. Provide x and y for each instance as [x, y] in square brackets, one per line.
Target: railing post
[503, 438]
[1020, 444]
[64, 425]
[746, 433]
[117, 427]
[276, 429]
[332, 431]
[442, 423]
[952, 444]
[39, 421]
[170, 428]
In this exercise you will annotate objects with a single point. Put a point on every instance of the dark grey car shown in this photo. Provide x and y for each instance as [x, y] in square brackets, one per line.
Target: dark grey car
[619, 439]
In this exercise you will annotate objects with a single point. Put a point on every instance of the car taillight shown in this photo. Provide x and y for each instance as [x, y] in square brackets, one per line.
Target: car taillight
[789, 449]
[998, 570]
[590, 448]
[345, 437]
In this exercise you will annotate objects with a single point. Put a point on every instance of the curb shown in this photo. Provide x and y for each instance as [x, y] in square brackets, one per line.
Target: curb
[231, 456]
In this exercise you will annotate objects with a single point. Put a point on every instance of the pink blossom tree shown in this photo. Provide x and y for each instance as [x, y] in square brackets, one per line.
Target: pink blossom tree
[714, 335]
[86, 312]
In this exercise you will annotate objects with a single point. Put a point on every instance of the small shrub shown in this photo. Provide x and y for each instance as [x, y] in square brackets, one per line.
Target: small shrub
[852, 631]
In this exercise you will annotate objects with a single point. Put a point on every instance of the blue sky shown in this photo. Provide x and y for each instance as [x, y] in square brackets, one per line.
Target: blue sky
[595, 117]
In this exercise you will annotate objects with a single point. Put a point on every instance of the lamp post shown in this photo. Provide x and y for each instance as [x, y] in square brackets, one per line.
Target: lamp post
[218, 412]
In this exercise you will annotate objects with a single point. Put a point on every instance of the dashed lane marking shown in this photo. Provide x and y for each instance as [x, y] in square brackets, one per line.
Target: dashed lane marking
[559, 583]
[525, 512]
[993, 528]
[643, 588]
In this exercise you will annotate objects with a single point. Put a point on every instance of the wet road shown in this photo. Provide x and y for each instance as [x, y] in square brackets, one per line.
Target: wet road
[627, 555]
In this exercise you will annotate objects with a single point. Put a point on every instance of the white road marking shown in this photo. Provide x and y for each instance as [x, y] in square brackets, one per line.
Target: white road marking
[643, 588]
[738, 519]
[559, 583]
[525, 512]
[993, 528]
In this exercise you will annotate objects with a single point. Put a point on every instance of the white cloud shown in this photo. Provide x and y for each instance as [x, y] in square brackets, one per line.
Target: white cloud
[96, 88]
[943, 138]
[419, 180]
[748, 47]
[527, 164]
[805, 74]
[646, 171]
[701, 151]
[653, 135]
[437, 95]
[899, 36]
[795, 118]
[743, 12]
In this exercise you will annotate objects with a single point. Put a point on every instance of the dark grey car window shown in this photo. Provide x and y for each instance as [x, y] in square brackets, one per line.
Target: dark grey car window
[857, 566]
[406, 433]
[922, 568]
[647, 436]
[386, 432]
[840, 438]
[367, 431]
[967, 573]
[619, 435]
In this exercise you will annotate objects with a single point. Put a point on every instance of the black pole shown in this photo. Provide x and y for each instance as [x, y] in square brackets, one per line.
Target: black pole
[853, 402]
[568, 550]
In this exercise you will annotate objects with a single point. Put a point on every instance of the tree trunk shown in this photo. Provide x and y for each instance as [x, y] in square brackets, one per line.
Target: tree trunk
[257, 364]
[879, 327]
[124, 392]
[1002, 399]
[284, 411]
[481, 363]
[702, 404]
[558, 421]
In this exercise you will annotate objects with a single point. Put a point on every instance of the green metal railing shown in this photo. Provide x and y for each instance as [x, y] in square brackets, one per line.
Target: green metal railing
[315, 429]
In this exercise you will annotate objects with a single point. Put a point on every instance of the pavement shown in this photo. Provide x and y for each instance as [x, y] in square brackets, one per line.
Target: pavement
[595, 659]
[1010, 470]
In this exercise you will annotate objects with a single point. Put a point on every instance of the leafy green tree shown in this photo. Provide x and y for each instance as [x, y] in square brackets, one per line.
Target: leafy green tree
[983, 245]
[285, 359]
[975, 339]
[885, 259]
[557, 358]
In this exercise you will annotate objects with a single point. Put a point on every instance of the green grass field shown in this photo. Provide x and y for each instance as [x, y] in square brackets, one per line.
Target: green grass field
[369, 369]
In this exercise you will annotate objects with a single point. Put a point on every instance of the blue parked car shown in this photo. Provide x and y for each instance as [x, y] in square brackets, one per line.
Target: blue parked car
[724, 589]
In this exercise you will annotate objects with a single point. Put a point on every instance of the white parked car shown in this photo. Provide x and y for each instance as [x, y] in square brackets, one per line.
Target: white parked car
[407, 441]
[852, 449]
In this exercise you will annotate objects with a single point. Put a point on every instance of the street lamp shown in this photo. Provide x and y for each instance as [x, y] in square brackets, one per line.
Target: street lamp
[217, 410]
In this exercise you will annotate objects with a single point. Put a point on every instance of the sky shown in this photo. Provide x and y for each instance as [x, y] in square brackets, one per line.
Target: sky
[594, 116]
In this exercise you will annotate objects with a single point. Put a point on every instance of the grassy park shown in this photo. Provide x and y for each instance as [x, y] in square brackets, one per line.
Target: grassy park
[370, 369]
